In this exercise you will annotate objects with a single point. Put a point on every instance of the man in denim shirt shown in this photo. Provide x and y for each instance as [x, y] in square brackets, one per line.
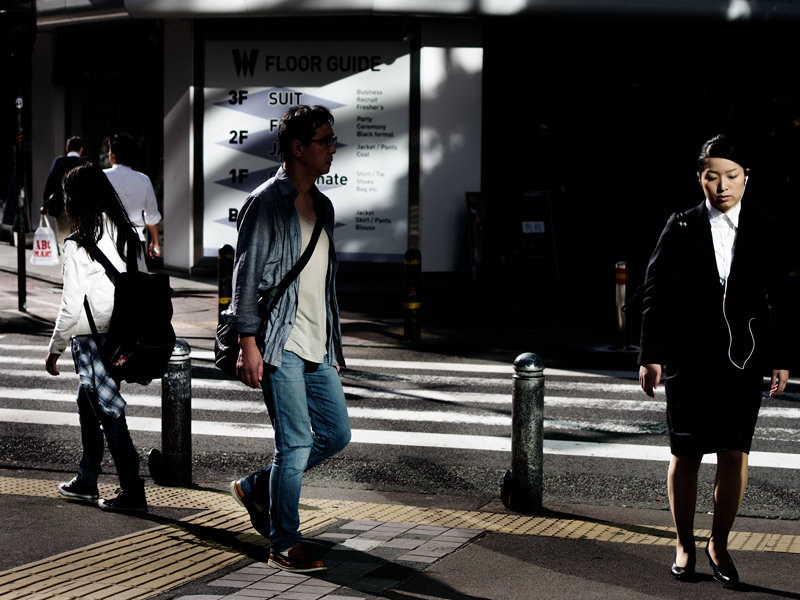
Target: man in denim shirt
[302, 345]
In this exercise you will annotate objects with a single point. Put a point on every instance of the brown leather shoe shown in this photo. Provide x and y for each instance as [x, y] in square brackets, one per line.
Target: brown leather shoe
[296, 560]
[258, 518]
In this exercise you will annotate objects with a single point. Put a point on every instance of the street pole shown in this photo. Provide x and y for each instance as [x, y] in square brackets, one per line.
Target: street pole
[621, 271]
[21, 211]
[18, 27]
[413, 304]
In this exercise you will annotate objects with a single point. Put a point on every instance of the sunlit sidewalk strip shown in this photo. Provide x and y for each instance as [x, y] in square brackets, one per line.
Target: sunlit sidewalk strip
[143, 564]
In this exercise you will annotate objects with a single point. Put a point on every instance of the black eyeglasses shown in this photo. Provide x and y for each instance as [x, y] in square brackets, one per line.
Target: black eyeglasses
[329, 141]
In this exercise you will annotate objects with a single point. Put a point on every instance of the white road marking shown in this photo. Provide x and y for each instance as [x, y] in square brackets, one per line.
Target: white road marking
[426, 372]
[256, 405]
[779, 460]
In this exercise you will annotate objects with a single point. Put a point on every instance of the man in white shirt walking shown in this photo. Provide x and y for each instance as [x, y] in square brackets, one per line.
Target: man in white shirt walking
[134, 189]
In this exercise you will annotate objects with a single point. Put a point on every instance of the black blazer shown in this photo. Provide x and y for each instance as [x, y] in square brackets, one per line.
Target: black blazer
[53, 192]
[689, 320]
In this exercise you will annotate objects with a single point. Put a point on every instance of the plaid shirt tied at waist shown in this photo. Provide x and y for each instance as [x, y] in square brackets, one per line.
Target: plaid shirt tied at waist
[94, 376]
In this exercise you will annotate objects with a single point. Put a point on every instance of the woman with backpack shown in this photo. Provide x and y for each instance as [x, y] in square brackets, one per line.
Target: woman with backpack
[98, 219]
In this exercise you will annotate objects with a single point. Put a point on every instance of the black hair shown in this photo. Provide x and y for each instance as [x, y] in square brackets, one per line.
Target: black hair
[300, 123]
[124, 148]
[74, 143]
[87, 195]
[722, 146]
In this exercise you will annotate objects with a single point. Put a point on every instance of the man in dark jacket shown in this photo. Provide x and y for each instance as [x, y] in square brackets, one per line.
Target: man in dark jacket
[53, 204]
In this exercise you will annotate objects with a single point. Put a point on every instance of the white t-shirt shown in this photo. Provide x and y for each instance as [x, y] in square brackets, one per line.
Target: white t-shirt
[309, 335]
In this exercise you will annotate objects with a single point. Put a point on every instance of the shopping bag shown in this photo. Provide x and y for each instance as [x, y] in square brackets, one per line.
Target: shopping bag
[45, 250]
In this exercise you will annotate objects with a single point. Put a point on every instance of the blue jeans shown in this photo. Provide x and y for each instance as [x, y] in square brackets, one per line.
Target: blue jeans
[306, 405]
[96, 424]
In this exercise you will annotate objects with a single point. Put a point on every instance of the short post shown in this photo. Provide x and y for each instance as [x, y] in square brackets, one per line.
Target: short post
[22, 211]
[622, 284]
[225, 258]
[175, 466]
[413, 304]
[522, 485]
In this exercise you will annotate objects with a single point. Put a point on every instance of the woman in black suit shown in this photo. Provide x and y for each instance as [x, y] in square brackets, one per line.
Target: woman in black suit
[714, 297]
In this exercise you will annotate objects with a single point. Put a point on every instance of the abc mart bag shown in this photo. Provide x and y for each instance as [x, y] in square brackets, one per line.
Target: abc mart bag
[45, 247]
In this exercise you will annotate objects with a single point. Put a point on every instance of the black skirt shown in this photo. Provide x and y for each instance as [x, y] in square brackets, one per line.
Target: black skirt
[712, 411]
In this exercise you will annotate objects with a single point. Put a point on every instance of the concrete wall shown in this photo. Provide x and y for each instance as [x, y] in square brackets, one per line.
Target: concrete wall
[179, 174]
[47, 110]
[450, 155]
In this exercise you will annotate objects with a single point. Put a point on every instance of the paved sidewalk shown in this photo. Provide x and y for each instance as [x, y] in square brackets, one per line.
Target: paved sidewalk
[197, 544]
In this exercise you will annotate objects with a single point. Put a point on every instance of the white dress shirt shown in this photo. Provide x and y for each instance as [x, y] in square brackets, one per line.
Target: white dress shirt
[136, 193]
[724, 226]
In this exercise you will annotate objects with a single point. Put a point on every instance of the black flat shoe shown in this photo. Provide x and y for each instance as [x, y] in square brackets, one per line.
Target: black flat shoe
[686, 573]
[724, 576]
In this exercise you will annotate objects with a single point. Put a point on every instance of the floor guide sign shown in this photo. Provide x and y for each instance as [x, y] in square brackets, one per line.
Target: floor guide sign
[248, 87]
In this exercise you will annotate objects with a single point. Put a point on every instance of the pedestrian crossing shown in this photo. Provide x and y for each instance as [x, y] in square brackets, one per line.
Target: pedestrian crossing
[426, 404]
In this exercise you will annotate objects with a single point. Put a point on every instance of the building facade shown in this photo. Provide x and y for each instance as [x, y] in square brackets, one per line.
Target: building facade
[548, 140]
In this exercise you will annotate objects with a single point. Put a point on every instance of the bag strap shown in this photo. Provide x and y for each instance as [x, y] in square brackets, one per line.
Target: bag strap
[131, 250]
[130, 259]
[111, 270]
[303, 260]
[294, 271]
[92, 326]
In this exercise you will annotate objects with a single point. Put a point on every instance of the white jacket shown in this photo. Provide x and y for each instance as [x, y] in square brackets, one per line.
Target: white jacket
[86, 277]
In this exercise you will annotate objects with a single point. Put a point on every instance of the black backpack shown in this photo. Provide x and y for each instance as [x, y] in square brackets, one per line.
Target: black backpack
[140, 337]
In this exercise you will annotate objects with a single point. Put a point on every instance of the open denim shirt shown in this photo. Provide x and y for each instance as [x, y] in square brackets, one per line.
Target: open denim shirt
[269, 243]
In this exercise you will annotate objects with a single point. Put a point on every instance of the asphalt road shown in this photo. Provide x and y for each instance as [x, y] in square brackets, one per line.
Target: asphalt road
[423, 422]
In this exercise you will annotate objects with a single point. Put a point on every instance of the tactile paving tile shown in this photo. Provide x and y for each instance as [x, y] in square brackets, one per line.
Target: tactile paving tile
[317, 512]
[156, 495]
[146, 563]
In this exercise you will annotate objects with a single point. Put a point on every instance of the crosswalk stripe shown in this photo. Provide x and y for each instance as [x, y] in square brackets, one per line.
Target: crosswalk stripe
[778, 460]
[256, 404]
[23, 360]
[384, 364]
[503, 369]
[456, 403]
[424, 394]
[418, 439]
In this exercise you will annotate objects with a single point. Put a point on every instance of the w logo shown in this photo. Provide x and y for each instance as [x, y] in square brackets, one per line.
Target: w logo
[245, 62]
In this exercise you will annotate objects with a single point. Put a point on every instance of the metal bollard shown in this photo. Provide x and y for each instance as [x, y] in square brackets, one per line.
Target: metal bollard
[412, 305]
[522, 485]
[225, 258]
[621, 271]
[175, 466]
